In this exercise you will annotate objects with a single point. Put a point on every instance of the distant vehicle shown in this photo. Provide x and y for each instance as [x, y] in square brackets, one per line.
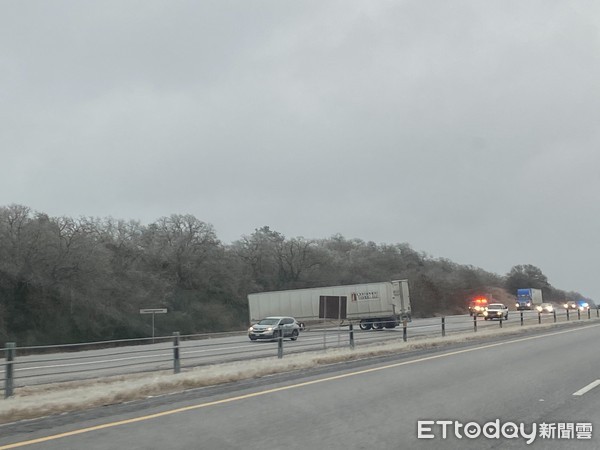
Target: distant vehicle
[477, 306]
[528, 298]
[545, 308]
[496, 311]
[370, 305]
[582, 305]
[273, 327]
[570, 305]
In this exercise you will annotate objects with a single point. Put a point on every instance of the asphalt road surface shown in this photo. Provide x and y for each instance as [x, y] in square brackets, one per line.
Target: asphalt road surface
[541, 378]
[32, 370]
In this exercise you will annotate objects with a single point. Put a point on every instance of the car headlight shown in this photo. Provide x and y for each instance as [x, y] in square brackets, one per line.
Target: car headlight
[270, 329]
[485, 313]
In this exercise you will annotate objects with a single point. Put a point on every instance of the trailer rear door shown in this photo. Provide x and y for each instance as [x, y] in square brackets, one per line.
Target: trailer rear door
[332, 307]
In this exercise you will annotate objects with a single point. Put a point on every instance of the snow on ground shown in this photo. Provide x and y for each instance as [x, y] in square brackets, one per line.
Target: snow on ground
[40, 401]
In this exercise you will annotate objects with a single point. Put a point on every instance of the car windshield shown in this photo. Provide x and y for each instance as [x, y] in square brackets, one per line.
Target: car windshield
[496, 306]
[268, 321]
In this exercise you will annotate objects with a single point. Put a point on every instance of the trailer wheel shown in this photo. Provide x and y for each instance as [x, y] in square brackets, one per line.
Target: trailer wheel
[377, 326]
[294, 335]
[365, 326]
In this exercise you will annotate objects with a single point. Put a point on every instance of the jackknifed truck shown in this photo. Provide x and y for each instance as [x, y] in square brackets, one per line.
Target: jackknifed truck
[371, 305]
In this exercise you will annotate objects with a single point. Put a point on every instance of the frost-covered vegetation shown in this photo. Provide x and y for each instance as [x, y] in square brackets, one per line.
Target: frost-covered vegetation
[74, 280]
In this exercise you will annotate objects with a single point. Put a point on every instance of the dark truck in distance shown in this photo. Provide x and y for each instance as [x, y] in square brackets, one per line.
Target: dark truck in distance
[528, 298]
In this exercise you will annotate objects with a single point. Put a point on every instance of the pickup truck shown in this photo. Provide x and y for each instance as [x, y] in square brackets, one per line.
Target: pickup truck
[496, 311]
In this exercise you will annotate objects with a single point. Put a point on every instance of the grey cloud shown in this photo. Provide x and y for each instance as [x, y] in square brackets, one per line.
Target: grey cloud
[467, 129]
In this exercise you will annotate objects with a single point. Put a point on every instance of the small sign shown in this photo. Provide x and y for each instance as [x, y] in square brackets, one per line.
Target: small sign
[153, 311]
[371, 295]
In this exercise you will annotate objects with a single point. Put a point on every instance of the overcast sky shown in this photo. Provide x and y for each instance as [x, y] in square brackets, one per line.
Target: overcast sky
[468, 129]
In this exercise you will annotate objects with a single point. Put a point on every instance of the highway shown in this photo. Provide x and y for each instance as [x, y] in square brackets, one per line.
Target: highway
[377, 403]
[88, 364]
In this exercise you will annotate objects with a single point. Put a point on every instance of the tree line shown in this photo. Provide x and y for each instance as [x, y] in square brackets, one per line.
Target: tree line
[75, 280]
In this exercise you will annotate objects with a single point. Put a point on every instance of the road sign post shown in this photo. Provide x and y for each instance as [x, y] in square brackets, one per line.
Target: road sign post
[153, 311]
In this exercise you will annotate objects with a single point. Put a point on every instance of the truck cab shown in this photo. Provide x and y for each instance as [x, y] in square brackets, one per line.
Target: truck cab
[528, 298]
[523, 303]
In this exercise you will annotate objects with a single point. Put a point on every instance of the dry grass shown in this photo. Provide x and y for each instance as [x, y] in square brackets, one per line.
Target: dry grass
[39, 401]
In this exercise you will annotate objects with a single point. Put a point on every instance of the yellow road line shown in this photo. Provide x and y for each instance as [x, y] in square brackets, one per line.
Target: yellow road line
[270, 391]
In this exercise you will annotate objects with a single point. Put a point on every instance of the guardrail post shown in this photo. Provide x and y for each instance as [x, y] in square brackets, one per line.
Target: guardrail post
[501, 319]
[539, 317]
[521, 318]
[578, 314]
[11, 349]
[589, 313]
[176, 359]
[443, 326]
[280, 343]
[351, 327]
[567, 313]
[597, 312]
[404, 333]
[474, 323]
[554, 314]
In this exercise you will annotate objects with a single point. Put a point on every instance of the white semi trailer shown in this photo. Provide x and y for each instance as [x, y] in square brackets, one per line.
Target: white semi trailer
[371, 305]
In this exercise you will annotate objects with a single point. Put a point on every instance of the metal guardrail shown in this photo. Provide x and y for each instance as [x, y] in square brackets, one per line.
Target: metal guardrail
[40, 365]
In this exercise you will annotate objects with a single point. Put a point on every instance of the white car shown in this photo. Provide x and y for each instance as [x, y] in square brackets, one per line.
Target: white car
[545, 308]
[496, 311]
